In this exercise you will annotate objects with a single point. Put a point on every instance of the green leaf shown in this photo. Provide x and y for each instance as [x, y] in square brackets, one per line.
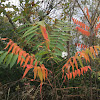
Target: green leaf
[9, 58]
[36, 47]
[41, 53]
[18, 17]
[79, 59]
[57, 54]
[13, 60]
[60, 46]
[1, 52]
[25, 29]
[2, 57]
[66, 29]
[30, 37]
[29, 32]
[24, 26]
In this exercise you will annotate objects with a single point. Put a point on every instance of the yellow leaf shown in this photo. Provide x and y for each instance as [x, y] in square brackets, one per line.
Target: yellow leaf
[92, 51]
[43, 71]
[35, 72]
[74, 61]
[40, 74]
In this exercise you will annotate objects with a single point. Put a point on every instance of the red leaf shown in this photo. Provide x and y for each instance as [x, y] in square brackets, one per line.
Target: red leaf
[87, 33]
[81, 45]
[43, 71]
[64, 78]
[46, 73]
[63, 73]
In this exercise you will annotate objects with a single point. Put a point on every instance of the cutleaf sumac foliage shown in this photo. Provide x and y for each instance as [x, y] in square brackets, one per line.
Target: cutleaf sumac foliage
[48, 44]
[71, 68]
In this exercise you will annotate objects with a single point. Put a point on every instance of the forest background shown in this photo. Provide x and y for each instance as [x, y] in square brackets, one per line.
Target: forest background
[50, 49]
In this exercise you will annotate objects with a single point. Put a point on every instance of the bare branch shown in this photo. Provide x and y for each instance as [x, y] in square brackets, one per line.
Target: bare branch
[83, 12]
[96, 10]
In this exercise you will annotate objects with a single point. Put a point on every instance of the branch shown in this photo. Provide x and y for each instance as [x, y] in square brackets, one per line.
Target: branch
[5, 13]
[83, 12]
[10, 21]
[95, 20]
[96, 10]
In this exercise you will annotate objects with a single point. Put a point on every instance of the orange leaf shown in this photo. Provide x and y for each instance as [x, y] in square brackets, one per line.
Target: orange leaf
[67, 76]
[89, 68]
[86, 68]
[11, 47]
[31, 63]
[73, 74]
[81, 45]
[25, 54]
[13, 51]
[19, 56]
[40, 74]
[3, 38]
[87, 33]
[92, 51]
[10, 41]
[22, 60]
[82, 71]
[44, 33]
[72, 65]
[46, 73]
[70, 75]
[64, 78]
[26, 70]
[74, 60]
[43, 71]
[78, 71]
[18, 48]
[26, 61]
[35, 72]
[98, 47]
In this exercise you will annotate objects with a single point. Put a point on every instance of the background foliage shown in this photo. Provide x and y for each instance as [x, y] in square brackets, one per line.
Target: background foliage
[39, 30]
